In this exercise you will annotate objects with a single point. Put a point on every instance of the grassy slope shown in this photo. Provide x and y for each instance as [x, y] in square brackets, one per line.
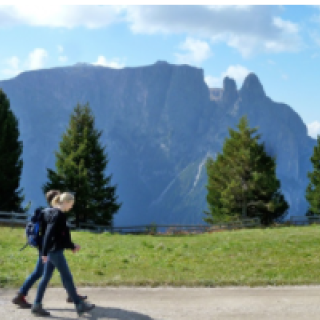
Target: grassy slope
[248, 257]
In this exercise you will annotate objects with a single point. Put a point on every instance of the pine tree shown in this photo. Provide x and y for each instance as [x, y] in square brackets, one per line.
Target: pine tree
[80, 167]
[242, 180]
[313, 188]
[10, 159]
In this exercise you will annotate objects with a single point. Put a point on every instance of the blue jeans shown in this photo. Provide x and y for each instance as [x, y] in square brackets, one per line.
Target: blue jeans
[33, 277]
[57, 260]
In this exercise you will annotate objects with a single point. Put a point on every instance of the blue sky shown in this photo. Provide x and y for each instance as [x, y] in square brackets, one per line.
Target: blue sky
[280, 44]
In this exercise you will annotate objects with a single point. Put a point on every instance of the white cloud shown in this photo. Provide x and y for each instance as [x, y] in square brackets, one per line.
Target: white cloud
[196, 51]
[285, 25]
[236, 72]
[313, 129]
[36, 59]
[69, 16]
[213, 82]
[245, 28]
[60, 49]
[12, 67]
[102, 61]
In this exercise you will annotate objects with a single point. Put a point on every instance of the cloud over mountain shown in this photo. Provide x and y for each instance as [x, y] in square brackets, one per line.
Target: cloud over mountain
[248, 29]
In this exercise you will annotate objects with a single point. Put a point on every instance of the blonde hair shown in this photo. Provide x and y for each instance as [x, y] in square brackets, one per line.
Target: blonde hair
[51, 194]
[62, 198]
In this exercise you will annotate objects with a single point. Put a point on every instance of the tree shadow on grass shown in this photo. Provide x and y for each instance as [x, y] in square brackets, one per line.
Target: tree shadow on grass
[103, 313]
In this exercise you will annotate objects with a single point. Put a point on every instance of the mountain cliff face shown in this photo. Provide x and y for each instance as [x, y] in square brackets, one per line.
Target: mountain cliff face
[160, 124]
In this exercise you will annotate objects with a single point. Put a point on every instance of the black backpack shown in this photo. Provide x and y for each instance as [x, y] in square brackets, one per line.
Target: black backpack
[33, 229]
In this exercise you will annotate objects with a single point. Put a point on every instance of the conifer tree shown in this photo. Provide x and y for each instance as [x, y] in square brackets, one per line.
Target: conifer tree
[10, 158]
[242, 180]
[313, 188]
[81, 163]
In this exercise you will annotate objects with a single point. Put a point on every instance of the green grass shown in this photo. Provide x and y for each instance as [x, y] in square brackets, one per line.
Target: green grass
[279, 256]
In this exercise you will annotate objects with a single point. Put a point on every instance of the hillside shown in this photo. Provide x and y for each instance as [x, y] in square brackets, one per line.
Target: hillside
[256, 257]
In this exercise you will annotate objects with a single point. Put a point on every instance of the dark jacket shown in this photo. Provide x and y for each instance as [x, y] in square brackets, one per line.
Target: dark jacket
[57, 235]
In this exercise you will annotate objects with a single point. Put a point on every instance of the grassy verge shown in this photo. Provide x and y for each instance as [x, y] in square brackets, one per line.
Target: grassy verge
[282, 256]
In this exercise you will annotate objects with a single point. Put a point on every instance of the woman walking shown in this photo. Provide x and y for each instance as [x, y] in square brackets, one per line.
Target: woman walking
[20, 298]
[57, 238]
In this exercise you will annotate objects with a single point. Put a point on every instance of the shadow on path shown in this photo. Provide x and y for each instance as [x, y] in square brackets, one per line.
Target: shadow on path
[100, 313]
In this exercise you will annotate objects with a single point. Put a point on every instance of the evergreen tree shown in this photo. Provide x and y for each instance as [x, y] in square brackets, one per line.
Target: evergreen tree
[10, 159]
[242, 180]
[313, 188]
[80, 167]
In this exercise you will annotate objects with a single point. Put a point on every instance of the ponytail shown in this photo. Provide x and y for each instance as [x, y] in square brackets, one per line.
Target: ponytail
[56, 200]
[61, 198]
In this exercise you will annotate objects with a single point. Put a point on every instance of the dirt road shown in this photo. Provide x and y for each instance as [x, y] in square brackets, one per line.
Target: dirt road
[163, 303]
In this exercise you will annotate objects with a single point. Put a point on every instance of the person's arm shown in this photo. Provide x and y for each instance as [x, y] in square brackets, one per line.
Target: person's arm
[69, 243]
[50, 233]
[47, 239]
[67, 236]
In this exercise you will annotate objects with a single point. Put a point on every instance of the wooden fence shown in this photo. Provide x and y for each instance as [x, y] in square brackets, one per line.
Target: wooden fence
[172, 228]
[13, 219]
[303, 220]
[19, 219]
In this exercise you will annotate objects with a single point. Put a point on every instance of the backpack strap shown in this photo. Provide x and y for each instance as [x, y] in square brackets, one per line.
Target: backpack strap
[38, 213]
[24, 246]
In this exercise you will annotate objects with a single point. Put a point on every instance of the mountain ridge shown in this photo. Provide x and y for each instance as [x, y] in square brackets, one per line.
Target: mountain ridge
[159, 124]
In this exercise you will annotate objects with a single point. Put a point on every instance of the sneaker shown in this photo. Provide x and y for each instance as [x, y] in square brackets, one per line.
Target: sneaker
[83, 307]
[69, 299]
[20, 300]
[37, 310]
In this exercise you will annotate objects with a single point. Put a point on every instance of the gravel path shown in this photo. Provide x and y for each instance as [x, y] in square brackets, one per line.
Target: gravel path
[241, 303]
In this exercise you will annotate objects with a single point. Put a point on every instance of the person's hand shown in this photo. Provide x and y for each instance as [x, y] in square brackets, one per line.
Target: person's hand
[76, 248]
[44, 259]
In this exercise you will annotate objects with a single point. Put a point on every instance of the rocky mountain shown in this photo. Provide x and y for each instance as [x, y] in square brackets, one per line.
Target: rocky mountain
[160, 124]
